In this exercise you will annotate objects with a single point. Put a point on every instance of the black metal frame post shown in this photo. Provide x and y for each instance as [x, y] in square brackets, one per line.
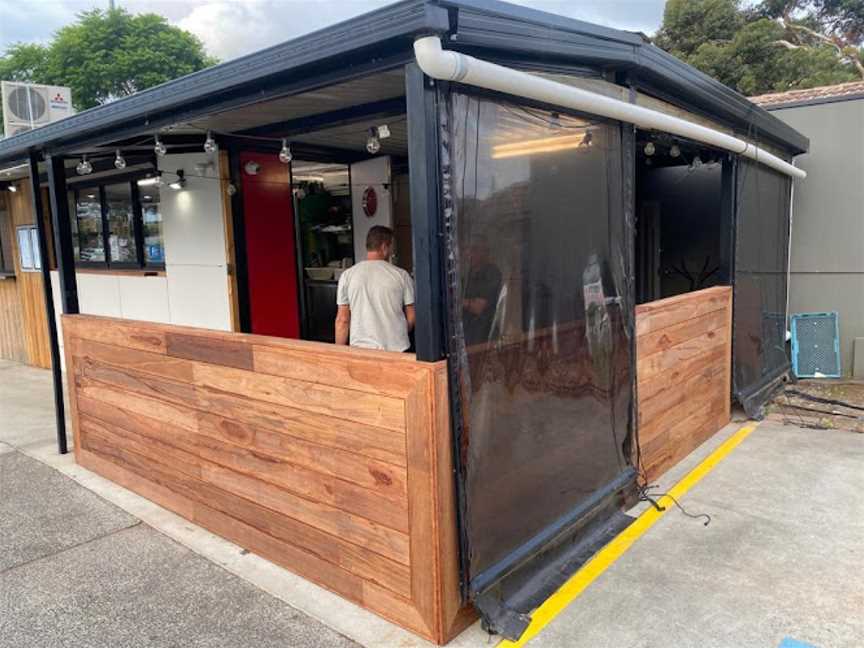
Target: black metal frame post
[56, 368]
[62, 234]
[426, 221]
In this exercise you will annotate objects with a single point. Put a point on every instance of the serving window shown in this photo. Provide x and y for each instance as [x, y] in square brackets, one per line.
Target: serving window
[117, 225]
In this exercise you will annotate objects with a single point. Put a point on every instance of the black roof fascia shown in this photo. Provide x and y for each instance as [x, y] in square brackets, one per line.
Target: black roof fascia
[383, 38]
[381, 34]
[501, 27]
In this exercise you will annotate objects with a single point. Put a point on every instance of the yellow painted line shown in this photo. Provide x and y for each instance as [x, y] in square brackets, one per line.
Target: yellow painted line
[604, 559]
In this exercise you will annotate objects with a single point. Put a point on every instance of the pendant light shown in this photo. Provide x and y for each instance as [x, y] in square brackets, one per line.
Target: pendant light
[159, 148]
[210, 144]
[84, 167]
[285, 155]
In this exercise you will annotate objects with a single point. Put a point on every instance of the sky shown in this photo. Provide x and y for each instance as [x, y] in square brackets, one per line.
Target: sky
[231, 28]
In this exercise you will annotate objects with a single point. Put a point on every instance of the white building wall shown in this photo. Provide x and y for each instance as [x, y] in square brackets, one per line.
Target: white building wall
[370, 173]
[194, 289]
[195, 260]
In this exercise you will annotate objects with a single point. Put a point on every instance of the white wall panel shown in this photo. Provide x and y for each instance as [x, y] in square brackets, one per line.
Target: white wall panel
[198, 296]
[194, 231]
[99, 294]
[144, 298]
[370, 173]
[192, 218]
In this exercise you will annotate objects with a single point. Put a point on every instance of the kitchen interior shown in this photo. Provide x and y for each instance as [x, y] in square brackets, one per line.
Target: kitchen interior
[335, 206]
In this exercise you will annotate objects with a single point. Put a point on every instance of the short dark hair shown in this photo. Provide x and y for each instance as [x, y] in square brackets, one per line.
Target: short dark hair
[378, 235]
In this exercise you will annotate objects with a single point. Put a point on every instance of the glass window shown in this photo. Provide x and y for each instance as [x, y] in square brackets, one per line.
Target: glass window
[151, 215]
[88, 210]
[121, 228]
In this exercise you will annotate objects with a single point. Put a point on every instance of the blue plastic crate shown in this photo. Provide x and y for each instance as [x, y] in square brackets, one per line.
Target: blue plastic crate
[816, 345]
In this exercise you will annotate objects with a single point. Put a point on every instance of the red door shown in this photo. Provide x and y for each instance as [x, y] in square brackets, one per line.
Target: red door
[270, 245]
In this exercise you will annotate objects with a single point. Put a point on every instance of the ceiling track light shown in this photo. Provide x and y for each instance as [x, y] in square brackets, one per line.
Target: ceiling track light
[210, 144]
[373, 143]
[84, 167]
[285, 155]
[675, 151]
[151, 181]
[180, 182]
[650, 149]
[159, 148]
[119, 160]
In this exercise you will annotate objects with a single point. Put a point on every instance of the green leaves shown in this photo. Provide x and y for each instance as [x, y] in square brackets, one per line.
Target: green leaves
[772, 46]
[105, 55]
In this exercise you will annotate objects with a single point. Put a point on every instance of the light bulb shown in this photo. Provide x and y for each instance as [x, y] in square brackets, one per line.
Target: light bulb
[119, 160]
[650, 149]
[210, 143]
[84, 167]
[373, 144]
[160, 149]
[675, 151]
[285, 156]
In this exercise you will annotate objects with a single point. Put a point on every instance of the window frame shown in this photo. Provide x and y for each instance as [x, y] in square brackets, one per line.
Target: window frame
[141, 262]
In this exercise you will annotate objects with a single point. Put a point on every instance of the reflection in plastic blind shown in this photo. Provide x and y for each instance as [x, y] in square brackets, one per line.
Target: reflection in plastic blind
[815, 345]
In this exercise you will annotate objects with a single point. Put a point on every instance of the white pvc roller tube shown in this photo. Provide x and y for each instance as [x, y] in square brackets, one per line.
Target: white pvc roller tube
[447, 65]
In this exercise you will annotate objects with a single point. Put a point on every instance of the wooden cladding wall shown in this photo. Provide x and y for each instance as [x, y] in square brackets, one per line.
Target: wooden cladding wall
[12, 345]
[30, 287]
[684, 373]
[332, 462]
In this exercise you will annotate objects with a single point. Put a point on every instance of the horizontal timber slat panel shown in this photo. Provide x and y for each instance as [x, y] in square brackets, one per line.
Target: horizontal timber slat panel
[684, 373]
[183, 474]
[137, 372]
[330, 461]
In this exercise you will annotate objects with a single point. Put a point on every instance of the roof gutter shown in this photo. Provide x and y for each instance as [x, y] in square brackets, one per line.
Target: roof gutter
[447, 65]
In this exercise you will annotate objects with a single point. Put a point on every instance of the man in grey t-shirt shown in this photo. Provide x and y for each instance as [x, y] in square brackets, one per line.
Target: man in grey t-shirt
[375, 299]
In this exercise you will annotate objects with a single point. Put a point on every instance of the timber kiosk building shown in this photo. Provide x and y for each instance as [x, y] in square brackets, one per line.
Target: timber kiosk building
[621, 220]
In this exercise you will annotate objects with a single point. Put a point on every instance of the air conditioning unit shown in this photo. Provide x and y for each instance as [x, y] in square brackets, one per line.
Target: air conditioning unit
[27, 106]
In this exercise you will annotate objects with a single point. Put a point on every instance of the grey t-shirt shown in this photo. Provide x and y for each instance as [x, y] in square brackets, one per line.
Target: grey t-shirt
[377, 293]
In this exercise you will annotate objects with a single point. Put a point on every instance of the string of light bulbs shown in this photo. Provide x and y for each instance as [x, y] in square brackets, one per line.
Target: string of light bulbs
[374, 135]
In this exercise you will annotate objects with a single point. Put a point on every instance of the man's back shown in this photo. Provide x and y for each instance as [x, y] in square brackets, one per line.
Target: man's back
[377, 293]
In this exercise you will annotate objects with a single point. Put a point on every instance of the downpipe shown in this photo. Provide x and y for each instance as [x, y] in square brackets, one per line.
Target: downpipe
[447, 65]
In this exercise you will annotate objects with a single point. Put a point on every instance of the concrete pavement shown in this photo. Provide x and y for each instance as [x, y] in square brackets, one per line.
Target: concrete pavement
[88, 563]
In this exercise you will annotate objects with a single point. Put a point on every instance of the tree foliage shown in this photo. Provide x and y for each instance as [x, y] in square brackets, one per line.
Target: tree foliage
[107, 54]
[774, 45]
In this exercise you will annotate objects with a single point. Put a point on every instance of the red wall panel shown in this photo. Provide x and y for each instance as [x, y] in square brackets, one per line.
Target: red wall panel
[270, 247]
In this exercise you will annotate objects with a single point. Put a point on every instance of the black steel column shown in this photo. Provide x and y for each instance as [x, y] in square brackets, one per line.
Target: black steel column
[426, 221]
[56, 368]
[62, 235]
